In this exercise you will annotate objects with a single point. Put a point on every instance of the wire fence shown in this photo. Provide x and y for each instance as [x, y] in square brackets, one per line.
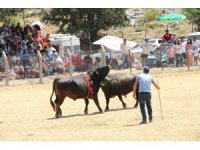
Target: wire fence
[30, 67]
[38, 66]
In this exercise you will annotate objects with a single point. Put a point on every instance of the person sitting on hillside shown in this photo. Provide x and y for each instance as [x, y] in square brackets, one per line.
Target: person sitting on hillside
[167, 36]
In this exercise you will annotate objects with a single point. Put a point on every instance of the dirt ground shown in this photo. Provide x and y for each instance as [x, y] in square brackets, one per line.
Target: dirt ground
[26, 114]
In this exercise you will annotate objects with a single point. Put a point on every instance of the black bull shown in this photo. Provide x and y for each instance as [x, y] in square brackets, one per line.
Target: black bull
[76, 87]
[118, 84]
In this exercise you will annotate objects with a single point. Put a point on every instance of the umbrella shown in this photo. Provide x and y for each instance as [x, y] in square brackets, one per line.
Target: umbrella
[37, 24]
[171, 17]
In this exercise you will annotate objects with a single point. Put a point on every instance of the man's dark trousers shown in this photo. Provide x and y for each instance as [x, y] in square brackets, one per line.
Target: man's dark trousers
[145, 98]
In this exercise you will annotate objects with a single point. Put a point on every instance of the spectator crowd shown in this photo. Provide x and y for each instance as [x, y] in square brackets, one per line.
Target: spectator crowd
[179, 50]
[182, 51]
[22, 43]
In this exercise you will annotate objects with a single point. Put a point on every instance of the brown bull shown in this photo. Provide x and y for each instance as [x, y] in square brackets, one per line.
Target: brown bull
[84, 86]
[118, 84]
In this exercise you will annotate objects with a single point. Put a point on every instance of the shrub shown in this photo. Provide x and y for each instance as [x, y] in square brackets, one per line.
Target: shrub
[151, 14]
[176, 28]
[139, 29]
[152, 26]
[140, 21]
[11, 19]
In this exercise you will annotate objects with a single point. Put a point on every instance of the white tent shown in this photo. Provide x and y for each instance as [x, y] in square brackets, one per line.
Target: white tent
[37, 23]
[112, 43]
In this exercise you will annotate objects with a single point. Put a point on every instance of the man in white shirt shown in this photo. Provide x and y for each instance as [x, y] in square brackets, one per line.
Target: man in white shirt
[125, 47]
[146, 48]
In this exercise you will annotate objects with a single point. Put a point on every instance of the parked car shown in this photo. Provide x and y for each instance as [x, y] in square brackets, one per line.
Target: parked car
[155, 42]
[137, 51]
[151, 60]
[196, 34]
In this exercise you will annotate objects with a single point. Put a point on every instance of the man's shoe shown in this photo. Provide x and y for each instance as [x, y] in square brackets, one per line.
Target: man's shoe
[150, 120]
[143, 122]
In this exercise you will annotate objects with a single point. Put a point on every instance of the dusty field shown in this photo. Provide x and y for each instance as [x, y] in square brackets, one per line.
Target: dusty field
[26, 114]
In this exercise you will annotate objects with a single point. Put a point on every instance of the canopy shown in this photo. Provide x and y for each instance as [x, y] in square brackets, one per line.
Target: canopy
[112, 43]
[37, 24]
[171, 17]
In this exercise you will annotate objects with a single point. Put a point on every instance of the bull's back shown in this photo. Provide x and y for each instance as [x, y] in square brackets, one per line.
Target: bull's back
[72, 87]
[122, 84]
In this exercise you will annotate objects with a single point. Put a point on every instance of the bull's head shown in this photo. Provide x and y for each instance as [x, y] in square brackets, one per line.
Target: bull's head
[97, 75]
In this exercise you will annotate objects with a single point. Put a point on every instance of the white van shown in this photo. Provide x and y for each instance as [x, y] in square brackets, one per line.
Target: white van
[64, 42]
[196, 34]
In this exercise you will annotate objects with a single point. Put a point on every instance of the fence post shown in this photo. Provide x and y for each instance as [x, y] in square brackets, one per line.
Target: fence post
[40, 66]
[70, 62]
[6, 66]
[72, 47]
[103, 56]
[130, 60]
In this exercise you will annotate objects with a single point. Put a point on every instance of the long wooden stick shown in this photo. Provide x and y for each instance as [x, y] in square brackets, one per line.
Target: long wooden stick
[160, 101]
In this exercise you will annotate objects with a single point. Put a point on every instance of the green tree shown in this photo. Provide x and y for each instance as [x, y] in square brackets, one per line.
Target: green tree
[193, 14]
[151, 14]
[85, 22]
[9, 15]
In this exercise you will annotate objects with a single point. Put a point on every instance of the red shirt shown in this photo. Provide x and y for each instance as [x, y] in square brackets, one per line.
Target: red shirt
[167, 37]
[37, 38]
[45, 40]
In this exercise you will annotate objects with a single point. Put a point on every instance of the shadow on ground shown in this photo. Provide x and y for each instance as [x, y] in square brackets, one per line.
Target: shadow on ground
[95, 113]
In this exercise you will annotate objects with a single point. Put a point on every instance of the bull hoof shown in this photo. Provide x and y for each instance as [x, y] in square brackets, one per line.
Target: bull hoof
[124, 106]
[57, 116]
[60, 114]
[106, 110]
[86, 112]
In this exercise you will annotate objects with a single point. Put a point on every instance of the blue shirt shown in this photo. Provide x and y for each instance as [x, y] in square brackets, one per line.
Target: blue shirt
[145, 81]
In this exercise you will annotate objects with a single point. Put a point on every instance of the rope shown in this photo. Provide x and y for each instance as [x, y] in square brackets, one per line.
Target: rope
[90, 89]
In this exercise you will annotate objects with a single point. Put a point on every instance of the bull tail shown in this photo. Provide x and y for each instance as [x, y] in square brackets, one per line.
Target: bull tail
[54, 86]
